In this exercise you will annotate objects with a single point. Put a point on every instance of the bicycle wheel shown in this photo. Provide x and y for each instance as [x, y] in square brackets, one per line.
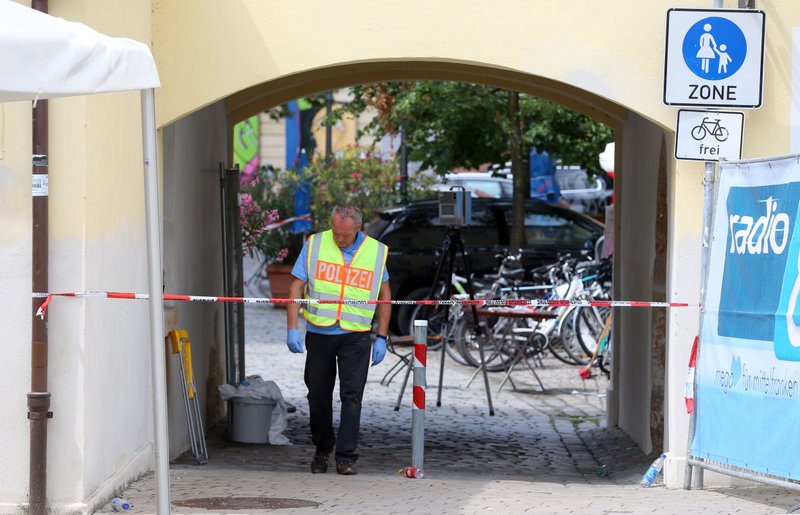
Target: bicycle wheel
[547, 334]
[569, 339]
[497, 347]
[722, 134]
[445, 330]
[699, 132]
[557, 349]
[589, 322]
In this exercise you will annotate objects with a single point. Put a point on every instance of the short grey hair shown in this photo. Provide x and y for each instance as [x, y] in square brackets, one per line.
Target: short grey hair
[348, 211]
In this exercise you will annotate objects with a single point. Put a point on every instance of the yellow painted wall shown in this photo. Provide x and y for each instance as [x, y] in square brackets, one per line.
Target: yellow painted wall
[604, 58]
[15, 280]
[98, 242]
[98, 355]
[613, 49]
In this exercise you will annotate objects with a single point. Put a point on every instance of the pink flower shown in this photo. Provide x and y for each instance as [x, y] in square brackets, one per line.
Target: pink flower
[245, 199]
[272, 216]
[248, 180]
[355, 175]
[283, 254]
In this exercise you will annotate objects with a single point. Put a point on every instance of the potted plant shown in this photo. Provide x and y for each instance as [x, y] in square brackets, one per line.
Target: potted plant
[266, 199]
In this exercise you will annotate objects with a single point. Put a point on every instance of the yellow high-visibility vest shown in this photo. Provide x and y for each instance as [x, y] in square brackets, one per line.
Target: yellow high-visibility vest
[329, 278]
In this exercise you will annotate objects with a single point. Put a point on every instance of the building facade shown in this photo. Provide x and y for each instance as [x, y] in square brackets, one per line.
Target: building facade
[222, 62]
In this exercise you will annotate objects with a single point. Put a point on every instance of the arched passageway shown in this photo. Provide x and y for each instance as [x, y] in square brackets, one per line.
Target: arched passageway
[635, 396]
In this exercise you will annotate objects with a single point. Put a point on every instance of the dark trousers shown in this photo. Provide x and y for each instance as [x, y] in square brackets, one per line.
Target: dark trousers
[351, 352]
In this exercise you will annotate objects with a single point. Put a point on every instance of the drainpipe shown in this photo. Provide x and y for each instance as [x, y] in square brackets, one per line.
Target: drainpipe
[39, 397]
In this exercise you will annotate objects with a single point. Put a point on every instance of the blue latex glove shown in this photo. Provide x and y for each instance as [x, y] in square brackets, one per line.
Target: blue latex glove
[293, 341]
[378, 350]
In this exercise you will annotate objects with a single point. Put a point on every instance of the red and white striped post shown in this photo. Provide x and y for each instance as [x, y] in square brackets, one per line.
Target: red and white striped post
[418, 409]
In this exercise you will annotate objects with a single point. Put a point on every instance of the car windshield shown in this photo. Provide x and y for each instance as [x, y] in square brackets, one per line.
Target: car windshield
[375, 228]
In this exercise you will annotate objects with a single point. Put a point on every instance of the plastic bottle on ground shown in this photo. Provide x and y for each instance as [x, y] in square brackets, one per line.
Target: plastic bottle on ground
[120, 504]
[653, 471]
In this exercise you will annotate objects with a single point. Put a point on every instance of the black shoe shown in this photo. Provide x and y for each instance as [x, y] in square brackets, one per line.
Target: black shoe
[346, 468]
[319, 465]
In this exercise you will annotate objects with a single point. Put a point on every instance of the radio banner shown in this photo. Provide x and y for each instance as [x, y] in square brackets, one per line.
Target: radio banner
[748, 367]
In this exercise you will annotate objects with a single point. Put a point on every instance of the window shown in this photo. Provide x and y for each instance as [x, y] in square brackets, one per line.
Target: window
[483, 231]
[418, 229]
[547, 229]
[552, 229]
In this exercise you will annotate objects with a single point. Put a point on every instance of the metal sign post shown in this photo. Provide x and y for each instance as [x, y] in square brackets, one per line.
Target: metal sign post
[696, 482]
[714, 58]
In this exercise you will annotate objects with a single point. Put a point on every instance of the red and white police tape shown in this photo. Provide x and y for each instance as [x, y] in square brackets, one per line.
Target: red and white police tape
[275, 225]
[536, 303]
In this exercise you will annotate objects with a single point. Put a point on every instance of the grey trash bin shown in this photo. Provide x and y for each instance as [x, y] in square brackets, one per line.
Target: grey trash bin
[250, 420]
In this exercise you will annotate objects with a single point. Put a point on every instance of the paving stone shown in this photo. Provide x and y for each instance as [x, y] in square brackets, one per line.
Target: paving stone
[538, 454]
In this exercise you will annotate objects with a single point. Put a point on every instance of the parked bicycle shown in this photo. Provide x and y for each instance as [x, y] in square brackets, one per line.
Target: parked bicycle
[441, 325]
[570, 336]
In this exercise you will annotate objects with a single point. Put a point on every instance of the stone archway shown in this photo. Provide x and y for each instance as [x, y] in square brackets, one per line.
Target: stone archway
[636, 398]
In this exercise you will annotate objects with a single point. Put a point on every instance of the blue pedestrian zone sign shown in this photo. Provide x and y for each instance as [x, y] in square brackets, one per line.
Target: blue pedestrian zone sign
[714, 48]
[714, 57]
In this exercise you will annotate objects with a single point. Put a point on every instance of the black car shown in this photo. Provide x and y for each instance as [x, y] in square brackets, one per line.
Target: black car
[415, 238]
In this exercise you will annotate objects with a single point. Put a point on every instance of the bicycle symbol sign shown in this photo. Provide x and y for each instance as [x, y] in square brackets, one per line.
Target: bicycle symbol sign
[709, 127]
[714, 57]
[709, 135]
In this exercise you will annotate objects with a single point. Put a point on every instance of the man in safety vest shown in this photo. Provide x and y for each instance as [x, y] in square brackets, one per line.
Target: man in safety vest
[339, 264]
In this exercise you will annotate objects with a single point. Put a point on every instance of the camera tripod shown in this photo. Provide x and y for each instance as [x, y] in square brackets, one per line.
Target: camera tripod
[454, 242]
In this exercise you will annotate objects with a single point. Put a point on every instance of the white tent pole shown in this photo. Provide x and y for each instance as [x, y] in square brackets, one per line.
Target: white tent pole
[158, 361]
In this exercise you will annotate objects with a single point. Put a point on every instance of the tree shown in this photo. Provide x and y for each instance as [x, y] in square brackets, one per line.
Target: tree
[568, 136]
[452, 125]
[521, 191]
[448, 124]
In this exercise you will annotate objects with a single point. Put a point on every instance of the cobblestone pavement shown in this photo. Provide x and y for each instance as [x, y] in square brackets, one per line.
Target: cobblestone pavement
[537, 454]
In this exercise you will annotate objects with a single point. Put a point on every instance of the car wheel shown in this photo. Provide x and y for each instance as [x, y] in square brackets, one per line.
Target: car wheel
[404, 312]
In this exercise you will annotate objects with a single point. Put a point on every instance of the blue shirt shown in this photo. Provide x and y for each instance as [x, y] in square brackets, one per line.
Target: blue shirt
[300, 271]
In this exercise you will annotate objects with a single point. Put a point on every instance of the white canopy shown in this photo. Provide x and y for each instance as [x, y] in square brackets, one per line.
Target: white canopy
[42, 56]
[46, 57]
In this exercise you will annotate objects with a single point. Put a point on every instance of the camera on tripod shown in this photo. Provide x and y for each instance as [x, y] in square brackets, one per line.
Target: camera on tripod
[455, 207]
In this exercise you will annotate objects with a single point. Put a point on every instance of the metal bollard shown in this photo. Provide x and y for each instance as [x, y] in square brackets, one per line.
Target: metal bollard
[418, 409]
